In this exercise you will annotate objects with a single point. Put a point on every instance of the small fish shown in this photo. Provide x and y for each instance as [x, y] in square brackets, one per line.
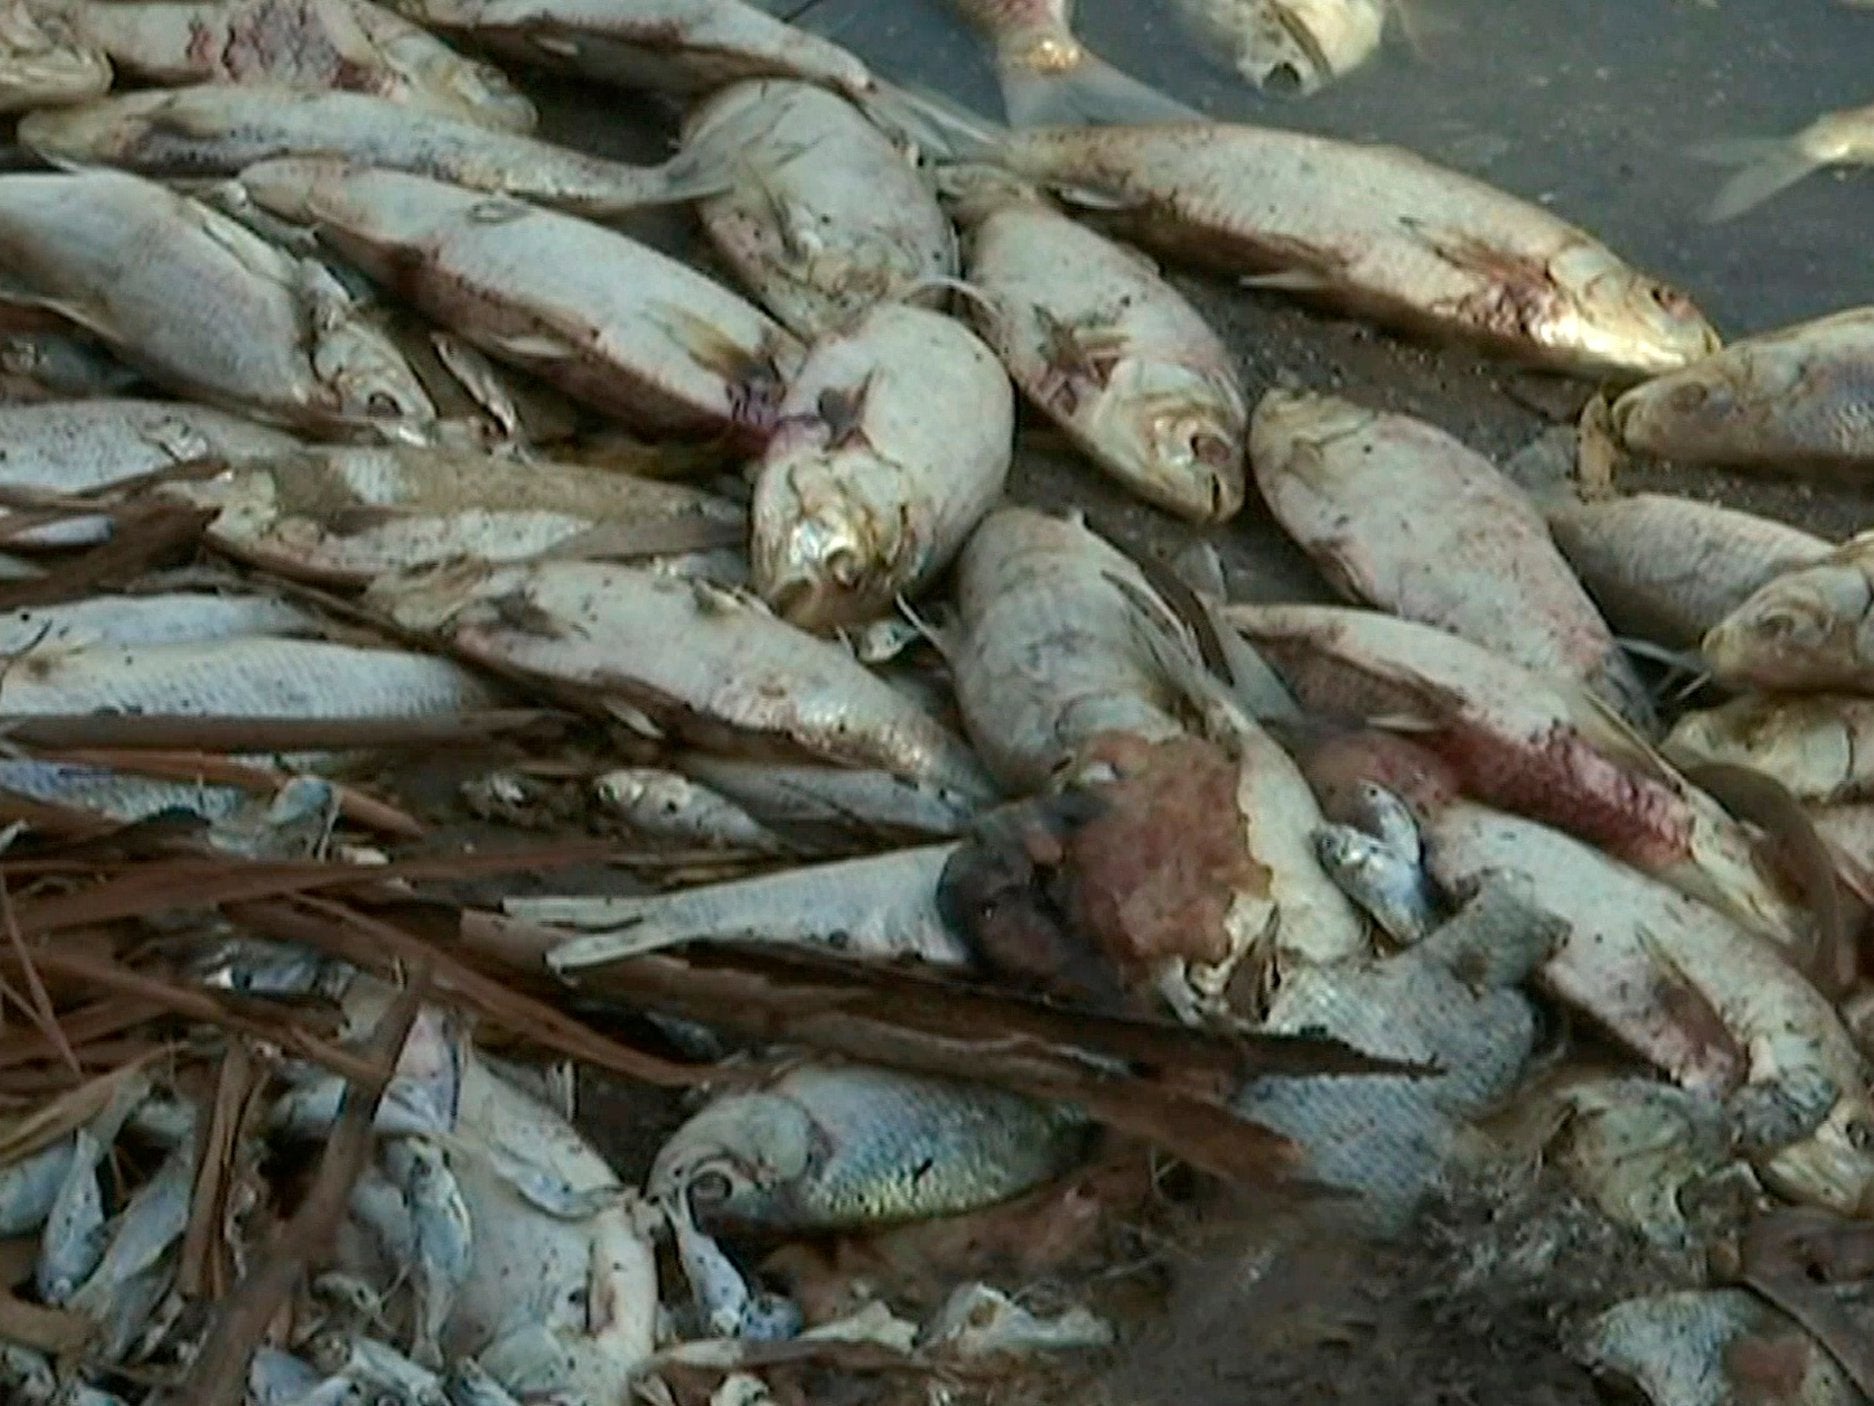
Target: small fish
[724, 1303]
[220, 129]
[833, 807]
[1381, 866]
[313, 45]
[78, 446]
[671, 808]
[1294, 47]
[845, 1148]
[879, 906]
[823, 216]
[28, 1373]
[1668, 569]
[202, 305]
[444, 1237]
[468, 1383]
[1109, 351]
[870, 485]
[1798, 398]
[72, 1243]
[137, 1267]
[379, 1369]
[1804, 631]
[1049, 76]
[609, 321]
[30, 1186]
[276, 1378]
[46, 58]
[1820, 747]
[1400, 515]
[180, 617]
[1768, 166]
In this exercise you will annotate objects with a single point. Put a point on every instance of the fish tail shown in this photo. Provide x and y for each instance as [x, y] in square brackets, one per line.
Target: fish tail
[1090, 93]
[1766, 167]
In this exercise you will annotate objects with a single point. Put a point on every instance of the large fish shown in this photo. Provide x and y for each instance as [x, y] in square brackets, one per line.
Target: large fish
[1802, 397]
[201, 304]
[1803, 631]
[606, 319]
[872, 482]
[1821, 747]
[1048, 75]
[317, 45]
[1376, 230]
[1400, 515]
[220, 129]
[1668, 569]
[1107, 350]
[1289, 46]
[823, 215]
[46, 58]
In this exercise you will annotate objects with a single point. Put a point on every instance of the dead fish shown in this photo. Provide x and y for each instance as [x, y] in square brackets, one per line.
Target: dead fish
[469, 1384]
[835, 806]
[1820, 747]
[63, 365]
[443, 1238]
[277, 1378]
[1669, 569]
[1289, 46]
[823, 215]
[725, 1305]
[30, 1185]
[1768, 166]
[220, 129]
[1710, 1003]
[1382, 868]
[1686, 1348]
[1801, 397]
[671, 808]
[347, 516]
[1388, 1137]
[75, 447]
[606, 319]
[734, 677]
[1108, 351]
[72, 1241]
[175, 617]
[200, 304]
[136, 1267]
[1049, 76]
[1804, 631]
[1375, 230]
[871, 485]
[680, 46]
[879, 906]
[1398, 514]
[380, 1370]
[46, 58]
[854, 1147]
[313, 45]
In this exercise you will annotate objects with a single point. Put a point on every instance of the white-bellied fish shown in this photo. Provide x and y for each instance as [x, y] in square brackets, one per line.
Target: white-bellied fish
[670, 808]
[172, 617]
[72, 1241]
[835, 806]
[1820, 746]
[1767, 166]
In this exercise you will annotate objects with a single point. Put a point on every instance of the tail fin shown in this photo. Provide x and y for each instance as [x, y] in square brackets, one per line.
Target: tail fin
[1767, 166]
[1091, 93]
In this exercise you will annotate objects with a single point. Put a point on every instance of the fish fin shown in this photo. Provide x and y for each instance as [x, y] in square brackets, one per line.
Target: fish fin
[944, 634]
[1427, 32]
[1766, 166]
[687, 176]
[1201, 568]
[937, 125]
[602, 949]
[532, 346]
[1287, 281]
[1611, 733]
[1089, 93]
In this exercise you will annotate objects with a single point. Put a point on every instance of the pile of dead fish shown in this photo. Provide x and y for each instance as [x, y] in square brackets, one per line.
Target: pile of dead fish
[346, 437]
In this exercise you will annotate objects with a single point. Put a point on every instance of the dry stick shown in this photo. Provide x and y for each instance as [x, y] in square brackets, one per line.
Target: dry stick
[218, 1375]
[40, 1009]
[195, 732]
[82, 1026]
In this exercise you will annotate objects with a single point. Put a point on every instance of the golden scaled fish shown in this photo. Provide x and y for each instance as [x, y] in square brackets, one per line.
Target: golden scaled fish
[1767, 166]
[1808, 630]
[1049, 76]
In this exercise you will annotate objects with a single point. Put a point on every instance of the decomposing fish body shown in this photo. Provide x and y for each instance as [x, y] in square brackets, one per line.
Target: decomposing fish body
[220, 129]
[843, 1148]
[1711, 1004]
[74, 447]
[823, 215]
[1400, 515]
[680, 46]
[606, 319]
[1685, 1348]
[30, 1185]
[1804, 631]
[1669, 569]
[1373, 229]
[871, 483]
[46, 59]
[1381, 865]
[1767, 166]
[1048, 75]
[313, 45]
[346, 516]
[728, 675]
[1820, 747]
[177, 617]
[137, 1256]
[879, 906]
[1538, 747]
[835, 806]
[670, 807]
[252, 677]
[60, 365]
[1289, 46]
[1799, 398]
[72, 1242]
[202, 305]
[442, 1236]
[1113, 354]
[278, 1378]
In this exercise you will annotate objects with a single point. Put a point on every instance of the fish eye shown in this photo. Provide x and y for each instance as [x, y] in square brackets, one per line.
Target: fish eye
[1212, 449]
[383, 403]
[709, 1190]
[1689, 397]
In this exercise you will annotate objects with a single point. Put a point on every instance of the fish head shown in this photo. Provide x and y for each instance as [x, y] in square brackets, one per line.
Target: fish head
[738, 1159]
[1795, 628]
[641, 790]
[303, 189]
[1293, 47]
[1621, 318]
[372, 382]
[821, 555]
[1176, 435]
[1287, 424]
[105, 131]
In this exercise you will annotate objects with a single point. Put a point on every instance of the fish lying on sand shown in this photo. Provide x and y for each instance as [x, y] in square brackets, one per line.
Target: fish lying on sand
[1289, 46]
[1770, 165]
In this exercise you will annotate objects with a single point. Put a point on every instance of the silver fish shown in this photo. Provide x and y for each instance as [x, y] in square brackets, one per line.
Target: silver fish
[1766, 166]
[579, 627]
[870, 485]
[379, 1368]
[1048, 75]
[1798, 398]
[137, 1267]
[116, 795]
[882, 905]
[1381, 866]
[838, 1148]
[316, 45]
[29, 1373]
[76, 447]
[40, 366]
[1803, 631]
[671, 808]
[1109, 351]
[1669, 569]
[823, 216]
[201, 305]
[29, 1186]
[444, 1236]
[834, 806]
[1675, 1349]
[73, 1239]
[1295, 47]
[276, 1378]
[469, 1384]
[46, 58]
[608, 320]
[223, 128]
[181, 617]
